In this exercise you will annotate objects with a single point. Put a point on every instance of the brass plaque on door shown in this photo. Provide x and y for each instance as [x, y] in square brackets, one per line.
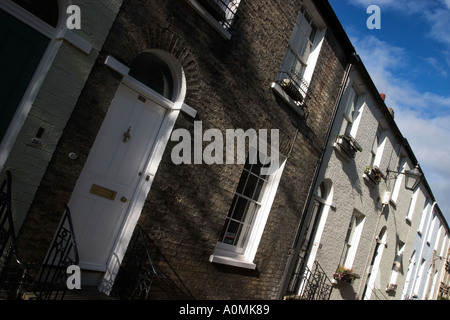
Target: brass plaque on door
[103, 192]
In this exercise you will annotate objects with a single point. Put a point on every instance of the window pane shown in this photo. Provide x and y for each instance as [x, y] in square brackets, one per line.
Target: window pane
[46, 10]
[154, 73]
[239, 209]
[252, 182]
[242, 182]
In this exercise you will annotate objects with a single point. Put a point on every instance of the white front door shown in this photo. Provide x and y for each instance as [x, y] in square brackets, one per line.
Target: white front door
[114, 169]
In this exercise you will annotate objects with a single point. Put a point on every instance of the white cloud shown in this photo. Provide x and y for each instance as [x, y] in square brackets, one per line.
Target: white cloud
[429, 140]
[447, 3]
[440, 21]
[437, 66]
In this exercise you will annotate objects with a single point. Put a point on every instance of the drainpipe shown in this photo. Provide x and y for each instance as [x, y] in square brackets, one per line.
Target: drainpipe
[295, 248]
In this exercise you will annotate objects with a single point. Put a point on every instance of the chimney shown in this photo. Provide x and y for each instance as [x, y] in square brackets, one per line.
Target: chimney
[391, 111]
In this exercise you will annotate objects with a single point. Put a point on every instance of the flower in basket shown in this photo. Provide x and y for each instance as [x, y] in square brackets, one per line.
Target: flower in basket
[374, 173]
[345, 275]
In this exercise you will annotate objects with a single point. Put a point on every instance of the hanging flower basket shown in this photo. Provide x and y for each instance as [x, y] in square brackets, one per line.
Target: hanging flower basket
[345, 275]
[374, 173]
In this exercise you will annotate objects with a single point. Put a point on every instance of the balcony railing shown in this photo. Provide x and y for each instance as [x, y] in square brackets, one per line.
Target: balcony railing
[309, 284]
[294, 85]
[224, 11]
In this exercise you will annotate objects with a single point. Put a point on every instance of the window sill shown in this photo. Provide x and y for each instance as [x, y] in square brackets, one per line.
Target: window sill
[278, 90]
[230, 261]
[210, 19]
[342, 152]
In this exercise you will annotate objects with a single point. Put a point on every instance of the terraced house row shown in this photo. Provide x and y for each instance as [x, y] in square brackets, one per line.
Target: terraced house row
[92, 99]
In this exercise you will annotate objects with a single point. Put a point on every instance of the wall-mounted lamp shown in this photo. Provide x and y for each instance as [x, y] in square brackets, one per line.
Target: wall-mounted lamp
[412, 177]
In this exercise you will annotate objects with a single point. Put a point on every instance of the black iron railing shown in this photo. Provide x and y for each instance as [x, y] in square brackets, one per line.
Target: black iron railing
[7, 234]
[51, 281]
[6, 222]
[224, 11]
[140, 271]
[294, 85]
[309, 284]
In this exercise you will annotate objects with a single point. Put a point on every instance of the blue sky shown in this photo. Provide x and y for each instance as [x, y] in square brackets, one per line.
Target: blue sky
[408, 59]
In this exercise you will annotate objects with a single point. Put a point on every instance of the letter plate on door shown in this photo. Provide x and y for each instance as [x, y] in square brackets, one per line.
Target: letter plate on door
[103, 192]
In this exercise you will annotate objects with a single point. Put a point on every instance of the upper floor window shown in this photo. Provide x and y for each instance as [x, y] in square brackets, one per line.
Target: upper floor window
[377, 147]
[352, 104]
[300, 58]
[412, 205]
[352, 112]
[396, 266]
[399, 179]
[352, 238]
[426, 212]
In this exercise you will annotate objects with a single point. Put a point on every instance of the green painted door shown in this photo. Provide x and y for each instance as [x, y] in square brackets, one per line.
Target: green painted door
[21, 50]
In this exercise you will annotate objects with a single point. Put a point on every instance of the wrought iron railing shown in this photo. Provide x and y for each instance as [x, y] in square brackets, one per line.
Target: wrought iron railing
[6, 222]
[309, 284]
[137, 276]
[294, 85]
[51, 281]
[7, 234]
[224, 11]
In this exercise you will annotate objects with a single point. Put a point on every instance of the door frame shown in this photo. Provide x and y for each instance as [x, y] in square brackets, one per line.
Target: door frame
[137, 201]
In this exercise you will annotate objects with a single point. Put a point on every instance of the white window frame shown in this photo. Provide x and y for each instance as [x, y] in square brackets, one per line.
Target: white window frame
[398, 180]
[431, 227]
[397, 263]
[412, 205]
[56, 35]
[438, 237]
[243, 257]
[419, 278]
[351, 113]
[356, 225]
[378, 146]
[425, 213]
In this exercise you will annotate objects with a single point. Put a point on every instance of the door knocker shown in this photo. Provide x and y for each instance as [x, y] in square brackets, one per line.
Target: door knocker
[127, 135]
